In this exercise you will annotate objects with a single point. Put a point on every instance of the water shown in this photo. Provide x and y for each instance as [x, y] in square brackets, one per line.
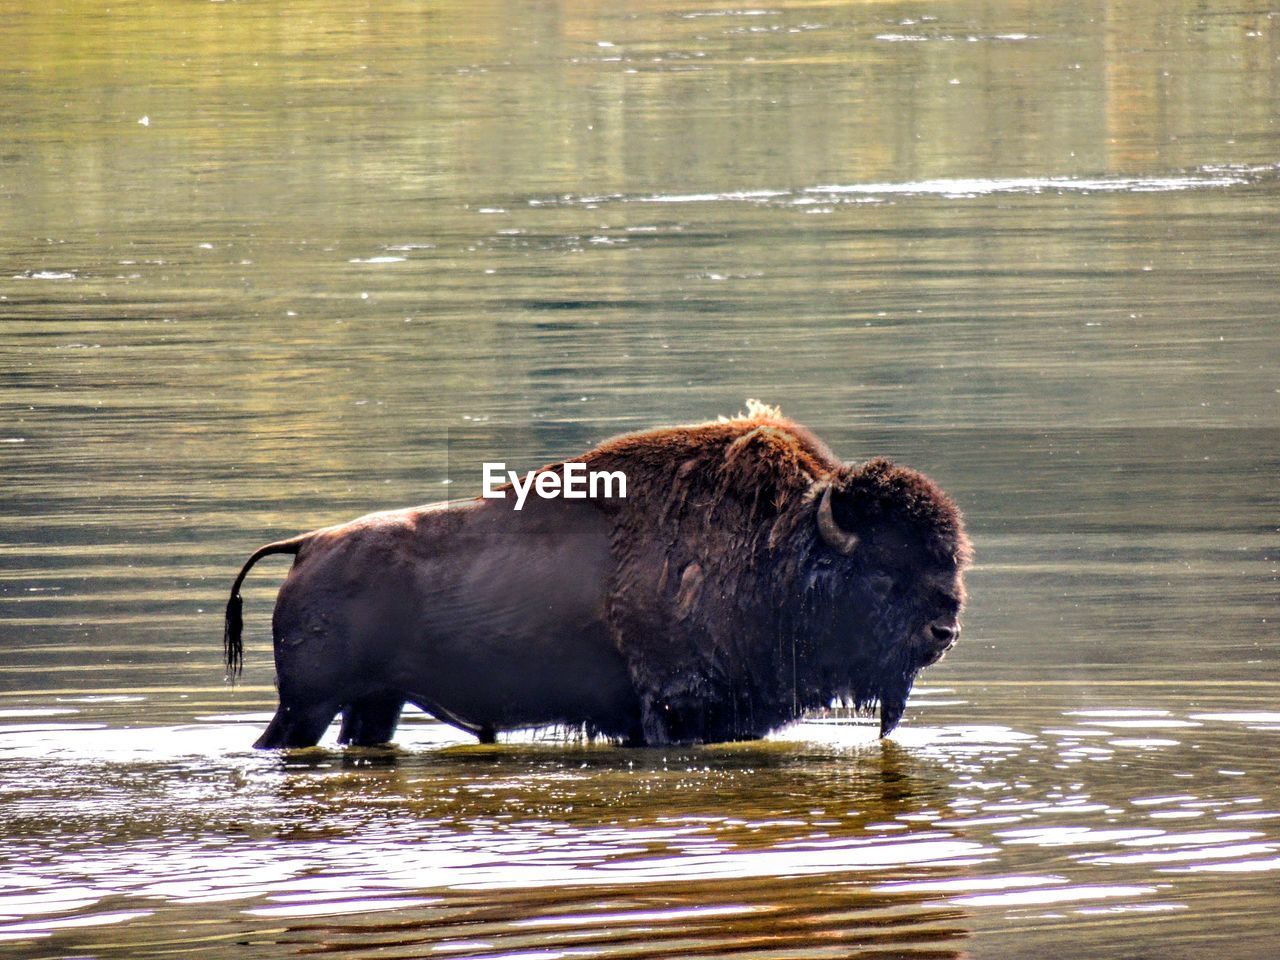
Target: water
[354, 249]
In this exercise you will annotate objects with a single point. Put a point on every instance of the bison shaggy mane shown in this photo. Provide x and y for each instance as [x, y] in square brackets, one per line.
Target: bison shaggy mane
[734, 612]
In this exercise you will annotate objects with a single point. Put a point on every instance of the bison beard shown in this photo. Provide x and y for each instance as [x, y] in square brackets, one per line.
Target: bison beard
[748, 576]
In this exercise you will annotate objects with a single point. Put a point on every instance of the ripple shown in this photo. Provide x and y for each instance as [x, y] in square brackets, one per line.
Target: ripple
[1227, 852]
[1241, 716]
[42, 928]
[1212, 176]
[46, 275]
[1147, 743]
[1239, 866]
[971, 884]
[645, 916]
[1030, 898]
[339, 907]
[1070, 836]
[961, 188]
[1163, 800]
[949, 38]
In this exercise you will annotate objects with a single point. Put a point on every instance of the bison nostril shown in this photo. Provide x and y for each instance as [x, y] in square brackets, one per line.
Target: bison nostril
[945, 633]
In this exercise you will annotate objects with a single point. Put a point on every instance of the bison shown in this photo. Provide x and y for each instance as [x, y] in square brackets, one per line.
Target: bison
[748, 576]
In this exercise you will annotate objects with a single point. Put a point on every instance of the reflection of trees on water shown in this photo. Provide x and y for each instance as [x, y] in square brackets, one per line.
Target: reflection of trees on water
[602, 783]
[700, 814]
[684, 917]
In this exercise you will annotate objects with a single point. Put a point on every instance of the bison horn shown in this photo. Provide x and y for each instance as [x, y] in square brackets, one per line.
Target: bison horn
[842, 541]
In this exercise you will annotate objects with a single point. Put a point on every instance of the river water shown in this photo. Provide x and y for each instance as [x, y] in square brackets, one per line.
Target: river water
[265, 267]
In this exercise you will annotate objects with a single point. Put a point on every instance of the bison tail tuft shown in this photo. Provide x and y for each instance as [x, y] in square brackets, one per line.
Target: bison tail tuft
[232, 641]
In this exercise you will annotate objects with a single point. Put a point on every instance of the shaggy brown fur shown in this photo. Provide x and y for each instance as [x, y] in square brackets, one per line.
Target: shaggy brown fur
[709, 604]
[725, 601]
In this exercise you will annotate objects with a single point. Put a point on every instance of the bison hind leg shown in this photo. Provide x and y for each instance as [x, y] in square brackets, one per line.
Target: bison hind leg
[297, 726]
[371, 720]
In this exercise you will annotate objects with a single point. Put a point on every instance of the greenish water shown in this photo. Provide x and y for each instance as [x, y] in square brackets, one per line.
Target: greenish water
[356, 248]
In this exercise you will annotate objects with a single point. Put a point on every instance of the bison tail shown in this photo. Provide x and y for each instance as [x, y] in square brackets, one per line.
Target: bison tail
[232, 643]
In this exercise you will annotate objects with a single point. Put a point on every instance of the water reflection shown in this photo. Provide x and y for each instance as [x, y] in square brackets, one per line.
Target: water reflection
[639, 839]
[819, 839]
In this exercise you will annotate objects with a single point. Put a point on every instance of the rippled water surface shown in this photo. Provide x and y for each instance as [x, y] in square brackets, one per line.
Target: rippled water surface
[265, 267]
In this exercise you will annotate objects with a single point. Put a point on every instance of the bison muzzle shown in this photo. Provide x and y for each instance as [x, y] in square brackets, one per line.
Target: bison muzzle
[748, 576]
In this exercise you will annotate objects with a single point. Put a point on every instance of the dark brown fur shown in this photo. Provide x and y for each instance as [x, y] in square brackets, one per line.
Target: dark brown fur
[724, 607]
[726, 602]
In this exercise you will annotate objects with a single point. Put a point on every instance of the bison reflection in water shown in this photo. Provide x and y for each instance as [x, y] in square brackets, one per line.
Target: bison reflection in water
[747, 576]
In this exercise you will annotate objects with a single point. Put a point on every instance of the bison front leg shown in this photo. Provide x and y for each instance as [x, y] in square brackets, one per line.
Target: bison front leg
[371, 720]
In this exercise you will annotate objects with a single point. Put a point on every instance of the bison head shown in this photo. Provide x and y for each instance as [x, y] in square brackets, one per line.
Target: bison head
[894, 552]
